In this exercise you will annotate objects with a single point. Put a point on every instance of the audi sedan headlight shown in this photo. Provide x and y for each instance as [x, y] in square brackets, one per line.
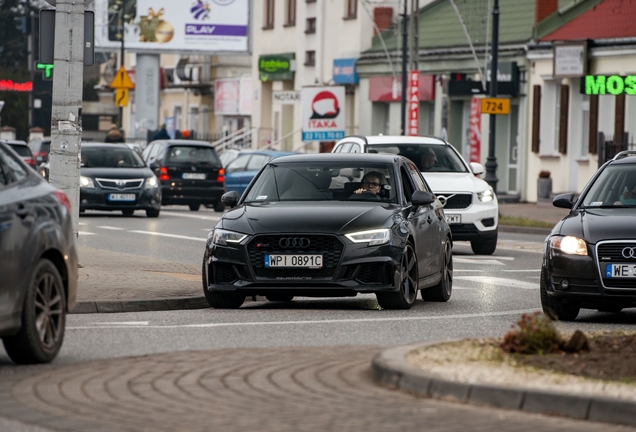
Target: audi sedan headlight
[86, 182]
[373, 237]
[486, 196]
[151, 183]
[569, 245]
[223, 237]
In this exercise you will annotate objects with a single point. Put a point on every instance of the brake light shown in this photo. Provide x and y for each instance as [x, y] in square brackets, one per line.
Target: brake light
[31, 162]
[163, 173]
[63, 199]
[221, 177]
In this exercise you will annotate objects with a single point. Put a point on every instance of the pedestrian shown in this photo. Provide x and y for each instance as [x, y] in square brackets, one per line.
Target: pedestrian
[161, 134]
[114, 135]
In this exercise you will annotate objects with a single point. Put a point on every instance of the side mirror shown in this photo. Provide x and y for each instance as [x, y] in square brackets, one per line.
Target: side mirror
[230, 199]
[154, 166]
[564, 201]
[477, 168]
[39, 159]
[421, 198]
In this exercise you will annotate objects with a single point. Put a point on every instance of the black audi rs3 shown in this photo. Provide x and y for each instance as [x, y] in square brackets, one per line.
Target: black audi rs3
[329, 225]
[589, 257]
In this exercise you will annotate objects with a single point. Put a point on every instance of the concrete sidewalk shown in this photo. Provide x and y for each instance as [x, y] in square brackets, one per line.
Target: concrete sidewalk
[542, 211]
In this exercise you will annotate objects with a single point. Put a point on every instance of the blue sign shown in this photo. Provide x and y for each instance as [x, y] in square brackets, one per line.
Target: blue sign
[344, 71]
[323, 136]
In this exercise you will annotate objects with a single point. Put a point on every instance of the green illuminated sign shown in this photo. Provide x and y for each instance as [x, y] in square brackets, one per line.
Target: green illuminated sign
[47, 68]
[610, 84]
[277, 67]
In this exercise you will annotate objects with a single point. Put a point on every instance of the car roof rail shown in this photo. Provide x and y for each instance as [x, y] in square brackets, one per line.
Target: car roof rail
[362, 137]
[624, 154]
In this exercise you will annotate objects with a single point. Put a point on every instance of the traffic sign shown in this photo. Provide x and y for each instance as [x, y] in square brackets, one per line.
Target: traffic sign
[495, 106]
[122, 80]
[121, 97]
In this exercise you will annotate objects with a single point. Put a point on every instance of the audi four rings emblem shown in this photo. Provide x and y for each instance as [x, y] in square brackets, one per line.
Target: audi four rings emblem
[289, 242]
[629, 252]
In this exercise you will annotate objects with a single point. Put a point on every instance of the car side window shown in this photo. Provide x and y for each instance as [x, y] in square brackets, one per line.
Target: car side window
[338, 149]
[4, 179]
[355, 148]
[345, 148]
[407, 185]
[17, 171]
[256, 162]
[416, 175]
[238, 164]
[146, 153]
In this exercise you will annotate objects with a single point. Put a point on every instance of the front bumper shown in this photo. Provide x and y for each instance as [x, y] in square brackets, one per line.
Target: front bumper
[98, 199]
[190, 194]
[478, 221]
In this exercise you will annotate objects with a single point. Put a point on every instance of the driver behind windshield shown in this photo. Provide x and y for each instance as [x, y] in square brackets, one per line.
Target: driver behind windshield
[371, 183]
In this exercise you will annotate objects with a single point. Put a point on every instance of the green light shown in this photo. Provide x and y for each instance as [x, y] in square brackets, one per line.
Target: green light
[615, 85]
[47, 68]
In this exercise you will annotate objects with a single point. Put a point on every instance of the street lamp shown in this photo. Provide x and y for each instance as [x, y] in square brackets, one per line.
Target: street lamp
[491, 161]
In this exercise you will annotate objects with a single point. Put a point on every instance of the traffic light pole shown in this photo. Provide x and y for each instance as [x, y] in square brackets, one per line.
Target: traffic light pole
[66, 120]
[121, 54]
[491, 161]
[405, 56]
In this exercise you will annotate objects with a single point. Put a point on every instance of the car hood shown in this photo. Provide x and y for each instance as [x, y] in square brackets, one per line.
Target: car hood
[319, 217]
[117, 173]
[454, 182]
[595, 225]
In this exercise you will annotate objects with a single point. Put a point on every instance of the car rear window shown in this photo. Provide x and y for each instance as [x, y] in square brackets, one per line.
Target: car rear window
[116, 157]
[179, 154]
[427, 157]
[21, 150]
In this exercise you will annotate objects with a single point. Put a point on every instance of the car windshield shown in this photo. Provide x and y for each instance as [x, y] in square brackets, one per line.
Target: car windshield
[21, 150]
[193, 154]
[324, 181]
[614, 187]
[427, 157]
[115, 157]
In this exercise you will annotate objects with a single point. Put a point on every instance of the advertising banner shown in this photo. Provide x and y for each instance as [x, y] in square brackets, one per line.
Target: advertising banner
[206, 26]
[323, 113]
[232, 96]
[413, 104]
[474, 131]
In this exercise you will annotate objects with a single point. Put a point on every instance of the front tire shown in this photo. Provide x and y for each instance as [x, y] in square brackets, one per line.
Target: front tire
[409, 276]
[128, 212]
[443, 290]
[219, 300]
[219, 206]
[194, 207]
[152, 213]
[484, 247]
[555, 308]
[43, 318]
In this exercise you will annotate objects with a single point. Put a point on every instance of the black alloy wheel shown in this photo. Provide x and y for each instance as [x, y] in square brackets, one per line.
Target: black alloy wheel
[407, 293]
[43, 318]
[194, 207]
[484, 247]
[128, 212]
[555, 308]
[443, 290]
[220, 300]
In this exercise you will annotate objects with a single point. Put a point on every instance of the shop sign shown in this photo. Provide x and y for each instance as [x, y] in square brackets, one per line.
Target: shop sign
[474, 131]
[323, 113]
[608, 85]
[232, 96]
[569, 60]
[344, 71]
[9, 85]
[460, 84]
[414, 103]
[277, 67]
[291, 97]
[388, 89]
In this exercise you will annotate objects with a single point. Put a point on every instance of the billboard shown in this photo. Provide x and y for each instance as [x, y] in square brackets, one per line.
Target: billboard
[323, 113]
[232, 96]
[199, 26]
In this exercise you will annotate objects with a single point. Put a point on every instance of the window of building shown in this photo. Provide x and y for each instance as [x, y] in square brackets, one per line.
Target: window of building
[205, 119]
[268, 21]
[193, 119]
[310, 58]
[290, 13]
[178, 118]
[310, 26]
[352, 9]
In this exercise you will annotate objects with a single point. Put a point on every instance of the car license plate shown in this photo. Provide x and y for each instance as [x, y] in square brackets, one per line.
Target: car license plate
[193, 176]
[297, 261]
[121, 197]
[451, 218]
[620, 271]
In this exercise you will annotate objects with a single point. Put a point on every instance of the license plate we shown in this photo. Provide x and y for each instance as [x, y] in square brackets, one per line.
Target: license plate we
[193, 176]
[453, 218]
[620, 271]
[297, 261]
[121, 197]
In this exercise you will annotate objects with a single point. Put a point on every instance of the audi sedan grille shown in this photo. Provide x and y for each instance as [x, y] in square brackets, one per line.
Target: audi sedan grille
[616, 253]
[330, 247]
[119, 184]
[456, 201]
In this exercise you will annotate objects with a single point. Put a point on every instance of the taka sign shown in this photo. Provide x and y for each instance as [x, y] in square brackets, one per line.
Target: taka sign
[323, 113]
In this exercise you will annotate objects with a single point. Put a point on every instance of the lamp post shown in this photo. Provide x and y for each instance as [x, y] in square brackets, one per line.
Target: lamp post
[404, 66]
[121, 54]
[491, 161]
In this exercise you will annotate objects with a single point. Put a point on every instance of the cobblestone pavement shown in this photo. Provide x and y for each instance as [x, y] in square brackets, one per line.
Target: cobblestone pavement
[283, 389]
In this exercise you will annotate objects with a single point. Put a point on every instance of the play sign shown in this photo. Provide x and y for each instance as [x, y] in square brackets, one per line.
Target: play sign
[323, 113]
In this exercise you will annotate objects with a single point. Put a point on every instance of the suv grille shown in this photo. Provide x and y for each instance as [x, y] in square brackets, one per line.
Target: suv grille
[330, 247]
[456, 201]
[612, 253]
[119, 184]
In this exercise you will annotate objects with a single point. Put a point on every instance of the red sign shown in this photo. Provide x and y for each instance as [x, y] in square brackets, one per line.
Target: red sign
[8, 85]
[413, 101]
[382, 89]
[474, 131]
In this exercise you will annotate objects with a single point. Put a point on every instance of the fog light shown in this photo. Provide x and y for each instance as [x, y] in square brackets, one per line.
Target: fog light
[565, 284]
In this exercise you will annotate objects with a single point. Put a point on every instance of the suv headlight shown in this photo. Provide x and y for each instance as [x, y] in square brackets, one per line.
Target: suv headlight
[151, 183]
[569, 245]
[373, 237]
[486, 196]
[223, 237]
[86, 183]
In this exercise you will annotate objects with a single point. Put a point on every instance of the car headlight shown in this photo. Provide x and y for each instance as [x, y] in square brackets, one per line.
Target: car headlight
[486, 196]
[223, 237]
[151, 183]
[86, 182]
[373, 237]
[569, 245]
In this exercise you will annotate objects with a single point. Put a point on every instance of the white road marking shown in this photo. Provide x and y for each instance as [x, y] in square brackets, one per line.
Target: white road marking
[85, 233]
[168, 235]
[122, 323]
[479, 262]
[82, 223]
[111, 228]
[484, 258]
[335, 321]
[192, 216]
[511, 283]
[500, 270]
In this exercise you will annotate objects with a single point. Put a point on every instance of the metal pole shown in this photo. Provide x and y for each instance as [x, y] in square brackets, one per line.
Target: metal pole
[120, 123]
[491, 161]
[404, 66]
[415, 28]
[66, 120]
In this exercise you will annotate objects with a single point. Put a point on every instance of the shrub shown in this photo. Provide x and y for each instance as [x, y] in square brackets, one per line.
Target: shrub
[532, 334]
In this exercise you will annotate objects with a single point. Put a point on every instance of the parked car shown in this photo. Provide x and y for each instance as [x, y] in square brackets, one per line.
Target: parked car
[228, 155]
[190, 172]
[307, 226]
[589, 258]
[38, 262]
[40, 148]
[470, 205]
[240, 172]
[115, 178]
[22, 149]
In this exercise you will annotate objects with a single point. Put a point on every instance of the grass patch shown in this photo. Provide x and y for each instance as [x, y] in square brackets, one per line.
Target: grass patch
[524, 222]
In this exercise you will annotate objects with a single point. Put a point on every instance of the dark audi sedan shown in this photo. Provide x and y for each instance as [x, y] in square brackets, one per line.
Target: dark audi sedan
[38, 262]
[590, 256]
[327, 225]
[114, 177]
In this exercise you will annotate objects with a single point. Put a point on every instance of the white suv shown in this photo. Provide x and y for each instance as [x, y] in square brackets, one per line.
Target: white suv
[470, 204]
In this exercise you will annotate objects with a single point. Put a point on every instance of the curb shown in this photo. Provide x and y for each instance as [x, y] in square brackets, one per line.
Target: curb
[391, 370]
[177, 303]
[524, 230]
